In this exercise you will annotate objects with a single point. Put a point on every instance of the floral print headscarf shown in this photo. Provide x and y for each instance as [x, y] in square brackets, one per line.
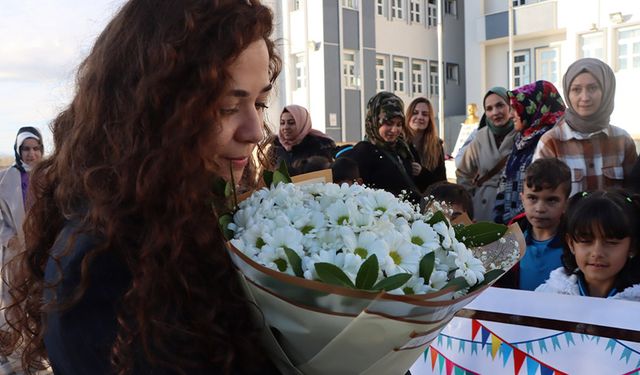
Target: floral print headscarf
[390, 106]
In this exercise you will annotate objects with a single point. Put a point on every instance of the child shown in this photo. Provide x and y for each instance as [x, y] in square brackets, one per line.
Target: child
[602, 240]
[345, 170]
[455, 196]
[546, 188]
[310, 164]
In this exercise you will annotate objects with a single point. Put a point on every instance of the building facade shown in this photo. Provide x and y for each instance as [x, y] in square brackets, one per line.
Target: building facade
[339, 53]
[548, 35]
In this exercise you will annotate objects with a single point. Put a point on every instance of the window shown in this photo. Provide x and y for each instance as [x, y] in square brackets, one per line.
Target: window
[417, 78]
[349, 71]
[381, 74]
[519, 2]
[300, 70]
[451, 7]
[433, 78]
[521, 68]
[453, 72]
[432, 13]
[592, 45]
[629, 49]
[415, 11]
[353, 4]
[296, 4]
[380, 7]
[397, 9]
[398, 75]
[547, 64]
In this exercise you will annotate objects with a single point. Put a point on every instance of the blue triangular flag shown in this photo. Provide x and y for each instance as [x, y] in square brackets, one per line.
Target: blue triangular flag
[569, 337]
[449, 342]
[506, 353]
[529, 347]
[555, 342]
[441, 362]
[440, 340]
[582, 336]
[638, 364]
[544, 370]
[461, 346]
[543, 346]
[611, 344]
[597, 339]
[532, 366]
[426, 351]
[626, 354]
[474, 348]
[485, 336]
[458, 371]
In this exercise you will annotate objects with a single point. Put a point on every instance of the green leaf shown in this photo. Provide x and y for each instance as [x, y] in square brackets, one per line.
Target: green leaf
[228, 189]
[488, 278]
[480, 234]
[368, 273]
[267, 176]
[282, 168]
[427, 264]
[281, 264]
[459, 231]
[457, 283]
[436, 218]
[392, 282]
[224, 222]
[331, 274]
[278, 177]
[294, 261]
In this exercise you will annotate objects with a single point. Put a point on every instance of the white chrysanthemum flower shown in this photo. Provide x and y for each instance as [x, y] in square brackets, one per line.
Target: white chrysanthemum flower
[322, 256]
[424, 236]
[401, 255]
[285, 237]
[415, 285]
[469, 267]
[442, 229]
[438, 280]
[364, 244]
[338, 213]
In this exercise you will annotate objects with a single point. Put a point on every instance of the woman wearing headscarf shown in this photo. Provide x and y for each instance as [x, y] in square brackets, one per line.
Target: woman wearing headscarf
[384, 158]
[599, 155]
[298, 141]
[426, 145]
[14, 183]
[486, 156]
[536, 109]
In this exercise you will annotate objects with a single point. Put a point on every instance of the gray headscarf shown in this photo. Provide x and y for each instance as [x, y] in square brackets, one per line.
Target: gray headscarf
[607, 80]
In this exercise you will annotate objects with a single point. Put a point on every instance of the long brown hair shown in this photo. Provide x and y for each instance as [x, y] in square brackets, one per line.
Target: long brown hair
[429, 146]
[128, 165]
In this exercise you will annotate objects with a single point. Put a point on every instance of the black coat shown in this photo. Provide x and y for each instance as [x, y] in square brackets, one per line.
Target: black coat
[311, 145]
[378, 171]
[427, 177]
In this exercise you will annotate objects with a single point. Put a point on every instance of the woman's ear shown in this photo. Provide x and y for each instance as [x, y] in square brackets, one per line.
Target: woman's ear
[570, 243]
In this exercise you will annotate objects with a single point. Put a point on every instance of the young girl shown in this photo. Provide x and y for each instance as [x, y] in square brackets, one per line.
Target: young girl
[602, 239]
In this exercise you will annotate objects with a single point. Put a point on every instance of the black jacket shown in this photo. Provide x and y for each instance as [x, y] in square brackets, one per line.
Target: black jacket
[311, 145]
[427, 177]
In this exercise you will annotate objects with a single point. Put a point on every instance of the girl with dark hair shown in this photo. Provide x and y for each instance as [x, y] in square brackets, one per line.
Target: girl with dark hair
[426, 146]
[384, 158]
[602, 241]
[125, 270]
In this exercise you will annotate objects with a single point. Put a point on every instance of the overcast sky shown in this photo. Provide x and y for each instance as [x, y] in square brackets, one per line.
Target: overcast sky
[41, 44]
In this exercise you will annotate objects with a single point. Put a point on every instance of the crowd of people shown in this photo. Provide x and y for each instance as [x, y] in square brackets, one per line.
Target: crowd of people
[115, 267]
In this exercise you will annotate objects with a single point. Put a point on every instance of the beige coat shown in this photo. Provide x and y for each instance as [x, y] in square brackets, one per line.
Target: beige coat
[478, 159]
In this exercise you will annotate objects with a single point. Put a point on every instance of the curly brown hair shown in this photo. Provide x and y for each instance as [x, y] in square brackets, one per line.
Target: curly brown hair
[129, 166]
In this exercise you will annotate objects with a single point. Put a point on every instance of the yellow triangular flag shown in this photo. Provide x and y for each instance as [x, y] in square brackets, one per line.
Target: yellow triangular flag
[495, 346]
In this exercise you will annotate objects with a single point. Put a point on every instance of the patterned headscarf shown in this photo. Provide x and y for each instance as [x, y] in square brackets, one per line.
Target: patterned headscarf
[303, 125]
[539, 106]
[607, 80]
[25, 133]
[390, 106]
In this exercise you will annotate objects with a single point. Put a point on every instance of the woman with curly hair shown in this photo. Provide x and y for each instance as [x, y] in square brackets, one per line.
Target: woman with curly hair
[426, 146]
[125, 269]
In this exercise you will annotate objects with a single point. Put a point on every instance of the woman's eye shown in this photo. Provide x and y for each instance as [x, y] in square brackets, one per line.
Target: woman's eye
[262, 106]
[228, 111]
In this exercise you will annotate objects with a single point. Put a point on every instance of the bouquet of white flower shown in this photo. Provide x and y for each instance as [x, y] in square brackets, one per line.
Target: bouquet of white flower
[353, 280]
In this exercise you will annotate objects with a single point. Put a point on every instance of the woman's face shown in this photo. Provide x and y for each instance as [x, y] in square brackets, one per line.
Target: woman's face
[517, 121]
[390, 130]
[288, 126]
[497, 110]
[419, 117]
[585, 94]
[241, 113]
[30, 151]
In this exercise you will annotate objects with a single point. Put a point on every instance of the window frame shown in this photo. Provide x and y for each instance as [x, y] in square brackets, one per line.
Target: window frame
[350, 77]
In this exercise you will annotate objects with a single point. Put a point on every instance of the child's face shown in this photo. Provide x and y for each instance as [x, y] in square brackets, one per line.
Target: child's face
[600, 260]
[544, 208]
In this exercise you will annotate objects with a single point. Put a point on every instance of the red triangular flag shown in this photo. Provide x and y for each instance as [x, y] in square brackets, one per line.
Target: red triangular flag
[475, 326]
[518, 360]
[434, 358]
[449, 366]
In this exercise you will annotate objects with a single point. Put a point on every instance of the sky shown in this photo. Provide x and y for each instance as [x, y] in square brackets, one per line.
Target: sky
[42, 42]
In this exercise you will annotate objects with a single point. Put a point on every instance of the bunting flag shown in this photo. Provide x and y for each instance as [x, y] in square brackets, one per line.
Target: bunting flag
[506, 354]
[569, 337]
[434, 358]
[626, 354]
[543, 346]
[610, 345]
[441, 361]
[449, 366]
[475, 326]
[495, 345]
[555, 343]
[532, 366]
[449, 342]
[461, 346]
[518, 360]
[459, 371]
[485, 336]
[474, 347]
[529, 347]
[545, 370]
